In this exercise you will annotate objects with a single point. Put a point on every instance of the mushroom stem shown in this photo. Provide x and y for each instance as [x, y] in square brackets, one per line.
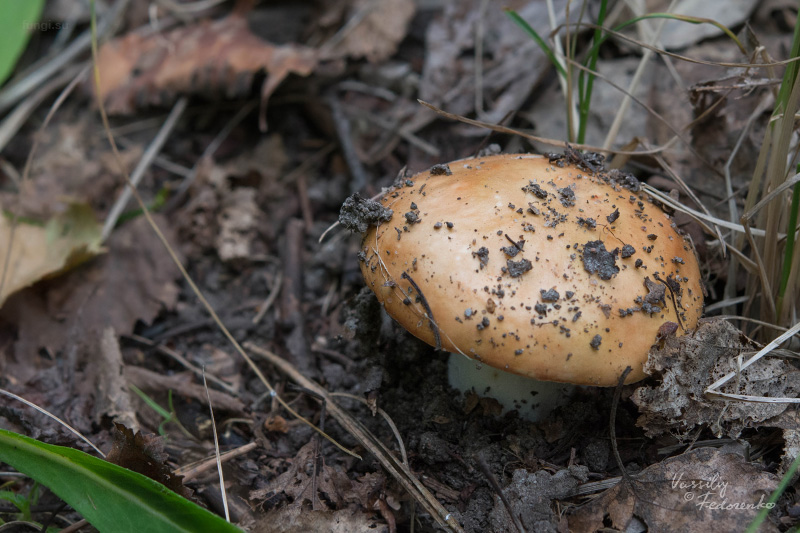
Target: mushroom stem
[532, 399]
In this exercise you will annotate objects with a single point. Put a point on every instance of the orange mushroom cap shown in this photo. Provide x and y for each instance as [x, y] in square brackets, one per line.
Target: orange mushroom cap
[533, 266]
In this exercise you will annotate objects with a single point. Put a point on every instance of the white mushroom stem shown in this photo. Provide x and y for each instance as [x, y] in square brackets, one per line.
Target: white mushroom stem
[532, 399]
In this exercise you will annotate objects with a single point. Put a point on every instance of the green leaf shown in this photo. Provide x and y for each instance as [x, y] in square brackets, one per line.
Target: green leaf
[110, 497]
[19, 19]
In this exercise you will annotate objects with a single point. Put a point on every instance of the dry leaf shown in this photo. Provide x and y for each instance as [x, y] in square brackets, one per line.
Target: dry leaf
[215, 58]
[687, 365]
[703, 490]
[378, 27]
[300, 484]
[237, 224]
[329, 489]
[39, 252]
[145, 454]
[296, 520]
[134, 281]
[530, 495]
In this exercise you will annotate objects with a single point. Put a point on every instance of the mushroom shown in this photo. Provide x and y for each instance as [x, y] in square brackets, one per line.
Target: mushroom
[549, 268]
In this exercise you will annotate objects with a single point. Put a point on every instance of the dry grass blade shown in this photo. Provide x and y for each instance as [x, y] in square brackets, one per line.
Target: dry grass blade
[655, 36]
[191, 471]
[144, 163]
[674, 175]
[395, 468]
[535, 138]
[702, 218]
[713, 390]
[216, 450]
[641, 44]
[54, 417]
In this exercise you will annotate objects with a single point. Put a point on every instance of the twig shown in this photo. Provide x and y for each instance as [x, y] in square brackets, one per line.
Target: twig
[147, 379]
[180, 359]
[342, 125]
[612, 424]
[292, 296]
[276, 289]
[144, 163]
[484, 468]
[193, 470]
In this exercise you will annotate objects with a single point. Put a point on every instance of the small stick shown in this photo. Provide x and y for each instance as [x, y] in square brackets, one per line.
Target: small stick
[499, 491]
[612, 423]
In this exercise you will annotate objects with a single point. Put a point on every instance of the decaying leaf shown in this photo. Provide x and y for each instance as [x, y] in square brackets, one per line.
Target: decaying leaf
[226, 205]
[134, 281]
[377, 28]
[218, 57]
[145, 454]
[702, 490]
[530, 496]
[237, 224]
[297, 520]
[687, 365]
[300, 483]
[329, 489]
[38, 252]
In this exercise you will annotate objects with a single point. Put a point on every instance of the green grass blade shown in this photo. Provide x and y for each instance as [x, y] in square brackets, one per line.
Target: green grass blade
[166, 415]
[536, 37]
[585, 93]
[110, 497]
[16, 25]
[788, 252]
[789, 75]
[755, 525]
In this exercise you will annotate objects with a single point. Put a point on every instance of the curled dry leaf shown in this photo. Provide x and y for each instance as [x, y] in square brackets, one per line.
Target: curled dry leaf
[44, 251]
[702, 490]
[328, 489]
[378, 26]
[218, 57]
[687, 365]
[145, 454]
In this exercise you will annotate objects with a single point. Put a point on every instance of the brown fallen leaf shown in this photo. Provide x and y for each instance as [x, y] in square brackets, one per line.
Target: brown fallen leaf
[703, 490]
[214, 58]
[373, 29]
[145, 454]
[37, 252]
[300, 484]
[687, 365]
[331, 489]
[134, 281]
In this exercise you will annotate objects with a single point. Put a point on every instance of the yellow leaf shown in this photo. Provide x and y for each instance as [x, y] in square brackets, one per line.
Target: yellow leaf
[38, 252]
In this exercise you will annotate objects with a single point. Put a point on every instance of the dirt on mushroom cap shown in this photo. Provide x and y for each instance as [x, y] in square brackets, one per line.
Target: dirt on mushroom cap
[454, 257]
